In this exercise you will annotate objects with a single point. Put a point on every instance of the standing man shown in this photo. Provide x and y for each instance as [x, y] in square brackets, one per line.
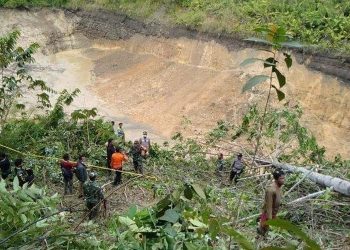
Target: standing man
[5, 165]
[145, 142]
[237, 168]
[272, 202]
[67, 172]
[136, 151]
[120, 132]
[81, 174]
[117, 164]
[110, 150]
[93, 195]
[112, 124]
[220, 164]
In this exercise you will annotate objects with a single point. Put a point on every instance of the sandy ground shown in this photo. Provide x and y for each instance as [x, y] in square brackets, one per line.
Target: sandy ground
[165, 85]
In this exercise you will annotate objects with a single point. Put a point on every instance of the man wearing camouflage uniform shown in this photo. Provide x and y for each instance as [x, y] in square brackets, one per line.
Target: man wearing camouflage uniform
[93, 195]
[136, 153]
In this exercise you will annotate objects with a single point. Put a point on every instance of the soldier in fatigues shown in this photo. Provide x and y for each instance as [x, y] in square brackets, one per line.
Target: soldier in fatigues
[93, 195]
[136, 153]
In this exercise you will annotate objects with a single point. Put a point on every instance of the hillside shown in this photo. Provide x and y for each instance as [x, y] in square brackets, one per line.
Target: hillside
[168, 77]
[132, 61]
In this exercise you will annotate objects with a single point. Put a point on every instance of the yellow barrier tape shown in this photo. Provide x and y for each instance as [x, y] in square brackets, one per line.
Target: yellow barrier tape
[92, 166]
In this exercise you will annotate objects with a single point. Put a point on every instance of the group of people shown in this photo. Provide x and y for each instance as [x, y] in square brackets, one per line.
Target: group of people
[93, 193]
[273, 194]
[116, 157]
[89, 189]
[236, 167]
[24, 175]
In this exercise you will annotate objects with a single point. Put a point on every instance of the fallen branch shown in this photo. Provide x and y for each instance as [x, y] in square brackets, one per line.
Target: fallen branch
[307, 197]
[339, 185]
[296, 184]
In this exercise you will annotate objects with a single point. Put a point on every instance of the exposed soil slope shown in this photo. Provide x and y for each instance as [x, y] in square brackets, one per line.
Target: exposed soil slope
[152, 75]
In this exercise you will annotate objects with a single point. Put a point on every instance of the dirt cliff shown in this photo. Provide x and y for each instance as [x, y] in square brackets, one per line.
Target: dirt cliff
[169, 78]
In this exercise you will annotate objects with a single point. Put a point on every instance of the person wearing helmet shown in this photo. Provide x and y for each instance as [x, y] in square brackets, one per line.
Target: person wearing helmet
[272, 200]
[145, 142]
[93, 195]
[237, 168]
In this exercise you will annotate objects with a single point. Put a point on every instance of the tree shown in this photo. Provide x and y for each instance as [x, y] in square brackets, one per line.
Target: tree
[15, 78]
[275, 38]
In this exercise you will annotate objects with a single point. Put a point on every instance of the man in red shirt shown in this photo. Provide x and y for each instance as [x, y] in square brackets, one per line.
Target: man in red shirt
[67, 172]
[117, 164]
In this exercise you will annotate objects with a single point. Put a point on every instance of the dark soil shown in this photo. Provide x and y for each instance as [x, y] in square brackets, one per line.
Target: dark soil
[112, 26]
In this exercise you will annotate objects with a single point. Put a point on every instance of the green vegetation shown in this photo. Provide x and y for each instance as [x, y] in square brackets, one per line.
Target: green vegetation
[320, 24]
[192, 206]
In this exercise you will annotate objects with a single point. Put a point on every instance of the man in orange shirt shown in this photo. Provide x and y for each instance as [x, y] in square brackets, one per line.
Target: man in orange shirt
[117, 164]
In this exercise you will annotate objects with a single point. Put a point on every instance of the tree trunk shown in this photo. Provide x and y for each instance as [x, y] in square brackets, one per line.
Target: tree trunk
[339, 185]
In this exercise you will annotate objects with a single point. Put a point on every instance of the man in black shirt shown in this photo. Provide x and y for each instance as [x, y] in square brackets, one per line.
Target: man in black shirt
[4, 165]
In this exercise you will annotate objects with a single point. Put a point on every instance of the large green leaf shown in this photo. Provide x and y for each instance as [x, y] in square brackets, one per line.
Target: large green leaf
[255, 80]
[281, 78]
[280, 94]
[294, 230]
[23, 218]
[3, 185]
[170, 215]
[250, 61]
[214, 228]
[16, 184]
[288, 60]
[132, 211]
[199, 191]
[240, 239]
[128, 222]
[198, 223]
[270, 62]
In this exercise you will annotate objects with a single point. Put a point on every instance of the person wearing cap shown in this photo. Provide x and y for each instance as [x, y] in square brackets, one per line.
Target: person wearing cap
[272, 201]
[237, 168]
[120, 132]
[93, 195]
[145, 142]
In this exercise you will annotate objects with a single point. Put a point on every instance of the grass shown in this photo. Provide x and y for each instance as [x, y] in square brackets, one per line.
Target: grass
[324, 24]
